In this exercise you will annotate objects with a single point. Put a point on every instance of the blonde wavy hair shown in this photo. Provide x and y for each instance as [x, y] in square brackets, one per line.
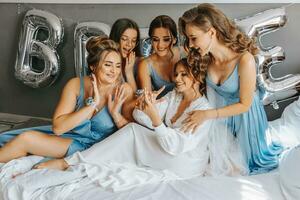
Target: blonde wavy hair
[96, 46]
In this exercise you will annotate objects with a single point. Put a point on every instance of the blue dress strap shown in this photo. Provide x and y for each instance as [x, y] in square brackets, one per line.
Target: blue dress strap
[80, 98]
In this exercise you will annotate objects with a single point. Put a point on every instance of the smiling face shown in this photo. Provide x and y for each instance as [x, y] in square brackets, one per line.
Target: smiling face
[199, 39]
[128, 41]
[183, 79]
[161, 41]
[108, 70]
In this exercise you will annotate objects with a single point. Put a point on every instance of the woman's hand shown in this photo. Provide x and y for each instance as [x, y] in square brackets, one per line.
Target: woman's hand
[194, 120]
[115, 105]
[157, 93]
[95, 89]
[146, 103]
[130, 60]
[149, 104]
[140, 101]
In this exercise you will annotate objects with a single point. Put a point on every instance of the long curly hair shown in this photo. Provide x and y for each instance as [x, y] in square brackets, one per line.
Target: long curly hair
[205, 16]
[192, 65]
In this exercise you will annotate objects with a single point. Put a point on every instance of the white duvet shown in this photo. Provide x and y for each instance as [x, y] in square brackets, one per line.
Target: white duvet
[74, 184]
[51, 184]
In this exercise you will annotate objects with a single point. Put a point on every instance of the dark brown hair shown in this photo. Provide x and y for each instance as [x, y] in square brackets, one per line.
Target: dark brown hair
[120, 26]
[164, 21]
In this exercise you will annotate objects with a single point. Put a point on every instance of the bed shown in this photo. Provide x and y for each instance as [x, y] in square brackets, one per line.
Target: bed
[259, 187]
[275, 185]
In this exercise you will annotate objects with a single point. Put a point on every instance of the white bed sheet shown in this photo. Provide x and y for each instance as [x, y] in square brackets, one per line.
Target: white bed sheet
[258, 187]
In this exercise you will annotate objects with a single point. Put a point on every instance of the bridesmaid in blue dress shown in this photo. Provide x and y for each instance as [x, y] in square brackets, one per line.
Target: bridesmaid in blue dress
[227, 55]
[126, 33]
[88, 110]
[155, 71]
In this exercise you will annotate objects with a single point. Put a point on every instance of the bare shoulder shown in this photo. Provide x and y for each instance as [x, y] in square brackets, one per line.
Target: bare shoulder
[143, 66]
[73, 83]
[144, 61]
[247, 59]
[247, 63]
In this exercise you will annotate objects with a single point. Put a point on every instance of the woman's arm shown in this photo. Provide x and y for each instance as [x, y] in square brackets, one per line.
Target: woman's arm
[161, 107]
[121, 107]
[129, 70]
[143, 119]
[247, 85]
[144, 78]
[173, 140]
[247, 76]
[64, 118]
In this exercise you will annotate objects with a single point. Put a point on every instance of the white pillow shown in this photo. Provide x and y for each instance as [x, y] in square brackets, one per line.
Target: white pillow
[289, 170]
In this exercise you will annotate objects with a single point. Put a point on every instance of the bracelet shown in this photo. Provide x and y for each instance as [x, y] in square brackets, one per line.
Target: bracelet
[91, 102]
[94, 106]
[217, 113]
[139, 92]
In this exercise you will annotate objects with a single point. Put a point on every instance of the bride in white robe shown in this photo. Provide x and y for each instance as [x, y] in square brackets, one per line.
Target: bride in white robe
[164, 148]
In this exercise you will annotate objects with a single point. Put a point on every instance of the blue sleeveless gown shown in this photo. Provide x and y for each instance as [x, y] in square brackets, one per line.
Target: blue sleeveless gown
[87, 133]
[157, 82]
[249, 127]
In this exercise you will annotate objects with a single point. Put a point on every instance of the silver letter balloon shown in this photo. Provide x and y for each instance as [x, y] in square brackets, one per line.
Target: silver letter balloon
[257, 26]
[146, 45]
[32, 49]
[83, 32]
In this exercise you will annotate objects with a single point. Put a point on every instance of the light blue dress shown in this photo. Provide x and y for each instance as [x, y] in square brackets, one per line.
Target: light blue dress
[249, 127]
[157, 82]
[84, 135]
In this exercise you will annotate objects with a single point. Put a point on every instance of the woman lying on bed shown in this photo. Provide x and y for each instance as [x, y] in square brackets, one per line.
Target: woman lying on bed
[163, 151]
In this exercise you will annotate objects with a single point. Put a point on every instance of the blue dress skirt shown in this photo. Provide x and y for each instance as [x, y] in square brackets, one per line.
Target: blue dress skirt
[249, 127]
